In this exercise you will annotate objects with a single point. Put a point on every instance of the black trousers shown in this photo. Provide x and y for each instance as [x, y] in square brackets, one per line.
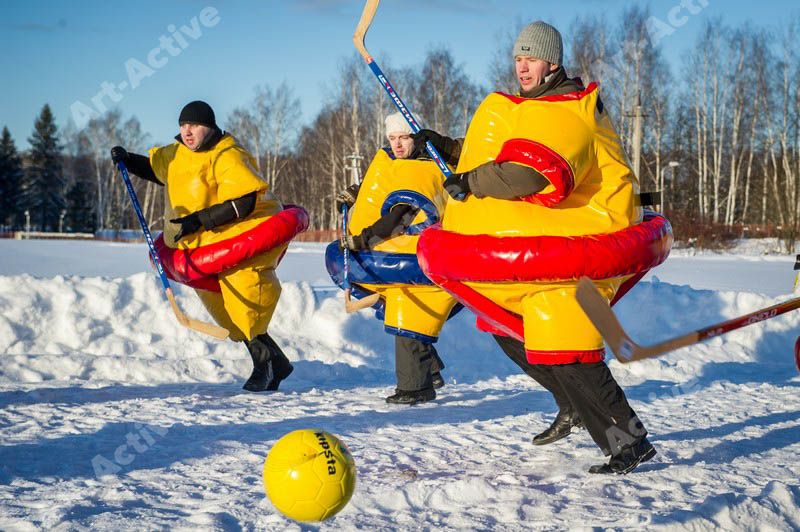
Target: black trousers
[415, 362]
[588, 389]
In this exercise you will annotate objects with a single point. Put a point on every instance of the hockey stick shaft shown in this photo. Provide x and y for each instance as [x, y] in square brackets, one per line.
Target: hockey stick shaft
[349, 305]
[626, 350]
[345, 251]
[206, 328]
[718, 329]
[370, 8]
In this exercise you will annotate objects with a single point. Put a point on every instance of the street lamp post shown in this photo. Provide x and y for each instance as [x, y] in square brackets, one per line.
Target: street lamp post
[61, 220]
[672, 165]
[27, 224]
[353, 165]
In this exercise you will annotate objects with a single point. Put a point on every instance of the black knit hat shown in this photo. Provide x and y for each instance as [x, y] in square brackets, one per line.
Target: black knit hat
[198, 112]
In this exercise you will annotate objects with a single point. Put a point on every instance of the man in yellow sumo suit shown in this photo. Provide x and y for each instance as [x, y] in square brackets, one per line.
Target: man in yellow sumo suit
[545, 162]
[401, 193]
[212, 192]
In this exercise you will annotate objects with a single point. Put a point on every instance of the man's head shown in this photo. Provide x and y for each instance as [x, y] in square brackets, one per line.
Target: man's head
[197, 123]
[399, 134]
[538, 51]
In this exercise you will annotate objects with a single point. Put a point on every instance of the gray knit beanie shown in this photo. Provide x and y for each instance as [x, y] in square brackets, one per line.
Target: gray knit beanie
[542, 41]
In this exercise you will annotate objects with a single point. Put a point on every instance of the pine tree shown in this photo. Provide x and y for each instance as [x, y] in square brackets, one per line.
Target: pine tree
[80, 216]
[43, 194]
[10, 181]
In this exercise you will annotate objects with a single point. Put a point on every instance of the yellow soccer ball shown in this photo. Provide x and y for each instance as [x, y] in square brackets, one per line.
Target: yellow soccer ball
[309, 475]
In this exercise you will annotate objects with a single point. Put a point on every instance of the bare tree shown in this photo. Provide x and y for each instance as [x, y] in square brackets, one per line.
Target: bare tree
[502, 76]
[786, 161]
[444, 93]
[277, 113]
[97, 138]
[588, 49]
[244, 127]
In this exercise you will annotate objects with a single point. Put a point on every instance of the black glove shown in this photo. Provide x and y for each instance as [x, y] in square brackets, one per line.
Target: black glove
[119, 155]
[189, 224]
[457, 185]
[353, 243]
[347, 197]
[425, 135]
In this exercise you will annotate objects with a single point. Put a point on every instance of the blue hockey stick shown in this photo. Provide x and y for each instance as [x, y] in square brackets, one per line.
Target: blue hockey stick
[358, 39]
[200, 326]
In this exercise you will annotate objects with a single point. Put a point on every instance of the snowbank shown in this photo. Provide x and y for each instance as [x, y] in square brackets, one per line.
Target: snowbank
[89, 364]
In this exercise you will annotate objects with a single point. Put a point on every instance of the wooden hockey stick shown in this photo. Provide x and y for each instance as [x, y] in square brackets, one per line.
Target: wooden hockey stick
[370, 8]
[626, 350]
[183, 319]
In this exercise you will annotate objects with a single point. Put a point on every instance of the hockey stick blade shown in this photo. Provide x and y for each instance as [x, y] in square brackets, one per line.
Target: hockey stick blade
[351, 305]
[200, 326]
[370, 8]
[626, 350]
[600, 314]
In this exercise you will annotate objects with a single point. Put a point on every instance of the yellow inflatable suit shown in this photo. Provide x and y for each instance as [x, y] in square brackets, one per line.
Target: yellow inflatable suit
[197, 180]
[414, 307]
[525, 255]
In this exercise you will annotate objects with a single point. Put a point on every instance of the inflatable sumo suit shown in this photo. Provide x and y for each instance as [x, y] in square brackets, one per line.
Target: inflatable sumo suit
[411, 305]
[515, 263]
[232, 267]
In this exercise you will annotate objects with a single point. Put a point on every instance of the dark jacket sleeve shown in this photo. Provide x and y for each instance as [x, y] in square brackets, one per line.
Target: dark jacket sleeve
[505, 181]
[227, 211]
[451, 151]
[391, 224]
[139, 165]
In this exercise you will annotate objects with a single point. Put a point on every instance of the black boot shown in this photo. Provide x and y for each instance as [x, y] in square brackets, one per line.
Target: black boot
[627, 460]
[436, 369]
[411, 398]
[270, 365]
[281, 366]
[560, 428]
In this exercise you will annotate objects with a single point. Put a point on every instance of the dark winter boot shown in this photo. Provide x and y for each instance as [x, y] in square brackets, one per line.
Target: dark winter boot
[560, 428]
[402, 397]
[627, 460]
[270, 365]
[436, 369]
[281, 366]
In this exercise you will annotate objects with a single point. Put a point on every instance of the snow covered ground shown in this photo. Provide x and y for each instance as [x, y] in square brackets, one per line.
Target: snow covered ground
[96, 377]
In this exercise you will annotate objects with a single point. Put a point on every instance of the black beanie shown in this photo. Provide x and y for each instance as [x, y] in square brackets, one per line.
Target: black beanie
[198, 112]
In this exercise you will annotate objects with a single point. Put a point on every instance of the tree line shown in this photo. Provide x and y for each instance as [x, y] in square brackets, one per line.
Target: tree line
[720, 136]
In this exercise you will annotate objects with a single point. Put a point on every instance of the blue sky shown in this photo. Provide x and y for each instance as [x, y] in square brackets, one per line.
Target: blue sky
[61, 53]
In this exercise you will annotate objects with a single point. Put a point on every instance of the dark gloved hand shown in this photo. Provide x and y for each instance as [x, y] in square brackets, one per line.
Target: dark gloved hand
[425, 135]
[119, 155]
[457, 185]
[353, 243]
[347, 197]
[189, 224]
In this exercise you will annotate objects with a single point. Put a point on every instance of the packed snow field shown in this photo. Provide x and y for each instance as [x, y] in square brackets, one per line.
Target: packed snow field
[113, 416]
